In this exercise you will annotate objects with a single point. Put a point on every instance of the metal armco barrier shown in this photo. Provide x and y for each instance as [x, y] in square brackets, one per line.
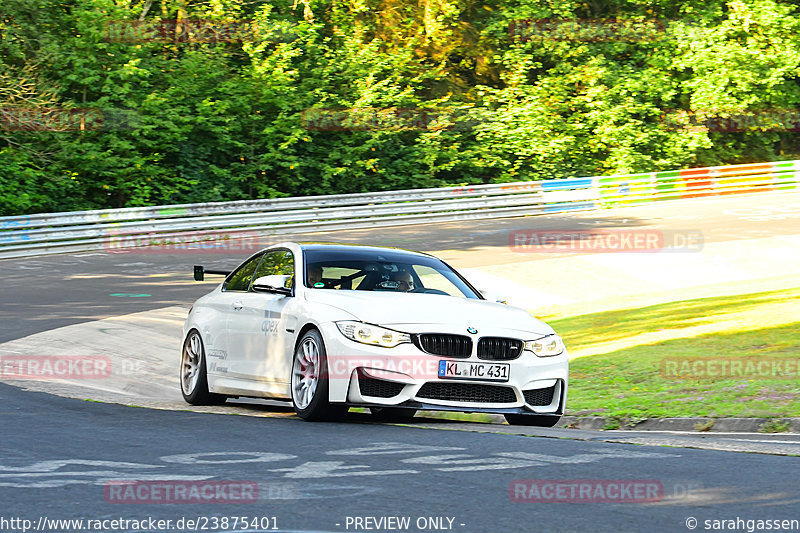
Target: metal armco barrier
[113, 229]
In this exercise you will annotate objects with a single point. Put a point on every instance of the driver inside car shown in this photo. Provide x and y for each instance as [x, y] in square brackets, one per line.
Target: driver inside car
[405, 283]
[314, 275]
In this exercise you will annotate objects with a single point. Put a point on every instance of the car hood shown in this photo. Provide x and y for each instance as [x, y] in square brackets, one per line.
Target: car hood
[415, 313]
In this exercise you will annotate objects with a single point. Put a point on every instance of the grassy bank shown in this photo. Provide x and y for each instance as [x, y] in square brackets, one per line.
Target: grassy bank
[641, 363]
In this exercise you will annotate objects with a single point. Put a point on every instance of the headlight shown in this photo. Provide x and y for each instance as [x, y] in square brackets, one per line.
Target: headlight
[372, 335]
[546, 346]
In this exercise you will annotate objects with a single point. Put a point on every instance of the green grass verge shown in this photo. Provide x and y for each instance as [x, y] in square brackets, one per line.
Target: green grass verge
[630, 382]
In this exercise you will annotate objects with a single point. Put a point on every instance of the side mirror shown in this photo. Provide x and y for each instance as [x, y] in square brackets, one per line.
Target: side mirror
[200, 272]
[275, 283]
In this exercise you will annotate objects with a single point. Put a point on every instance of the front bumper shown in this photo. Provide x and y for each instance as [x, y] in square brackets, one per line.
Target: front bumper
[405, 376]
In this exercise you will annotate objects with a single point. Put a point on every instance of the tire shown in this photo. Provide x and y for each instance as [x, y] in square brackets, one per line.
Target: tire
[193, 377]
[544, 421]
[309, 380]
[392, 414]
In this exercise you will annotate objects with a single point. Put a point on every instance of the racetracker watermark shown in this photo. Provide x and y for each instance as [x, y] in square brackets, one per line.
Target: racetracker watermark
[141, 523]
[63, 119]
[183, 243]
[586, 491]
[380, 367]
[46, 367]
[181, 492]
[388, 118]
[587, 30]
[730, 368]
[733, 121]
[196, 31]
[605, 241]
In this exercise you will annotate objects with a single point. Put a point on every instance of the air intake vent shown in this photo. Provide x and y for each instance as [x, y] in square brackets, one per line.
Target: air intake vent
[444, 344]
[467, 392]
[539, 397]
[378, 388]
[499, 348]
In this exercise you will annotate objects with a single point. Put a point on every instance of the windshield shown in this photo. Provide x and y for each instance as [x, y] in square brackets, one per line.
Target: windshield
[365, 270]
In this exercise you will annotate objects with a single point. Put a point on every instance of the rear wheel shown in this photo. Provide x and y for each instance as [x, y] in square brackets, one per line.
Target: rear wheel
[392, 414]
[310, 380]
[194, 379]
[544, 421]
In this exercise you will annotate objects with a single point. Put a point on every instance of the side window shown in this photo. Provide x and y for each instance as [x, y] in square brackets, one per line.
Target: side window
[277, 262]
[332, 277]
[240, 280]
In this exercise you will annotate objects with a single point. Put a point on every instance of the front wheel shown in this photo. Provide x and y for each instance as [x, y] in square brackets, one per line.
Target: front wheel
[310, 380]
[544, 421]
[194, 379]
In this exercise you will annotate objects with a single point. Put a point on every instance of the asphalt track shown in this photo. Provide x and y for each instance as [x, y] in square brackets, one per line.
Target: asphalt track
[57, 455]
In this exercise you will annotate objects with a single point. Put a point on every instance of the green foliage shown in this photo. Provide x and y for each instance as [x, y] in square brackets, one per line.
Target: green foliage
[453, 91]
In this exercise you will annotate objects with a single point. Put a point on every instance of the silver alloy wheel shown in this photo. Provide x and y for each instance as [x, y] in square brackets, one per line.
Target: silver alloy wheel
[190, 363]
[305, 373]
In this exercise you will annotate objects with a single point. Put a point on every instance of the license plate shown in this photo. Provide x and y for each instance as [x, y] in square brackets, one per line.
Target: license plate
[473, 371]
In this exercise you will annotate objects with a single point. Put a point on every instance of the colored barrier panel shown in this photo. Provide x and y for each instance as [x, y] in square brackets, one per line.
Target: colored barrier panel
[668, 184]
[739, 184]
[698, 182]
[624, 190]
[568, 195]
[787, 167]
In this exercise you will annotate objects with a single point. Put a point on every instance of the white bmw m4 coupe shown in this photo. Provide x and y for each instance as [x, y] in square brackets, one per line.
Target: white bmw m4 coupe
[330, 326]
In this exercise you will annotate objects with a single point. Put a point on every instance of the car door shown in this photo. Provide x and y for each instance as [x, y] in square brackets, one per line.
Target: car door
[258, 334]
[237, 321]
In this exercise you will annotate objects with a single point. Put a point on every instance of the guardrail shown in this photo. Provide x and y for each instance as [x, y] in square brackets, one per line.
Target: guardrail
[113, 229]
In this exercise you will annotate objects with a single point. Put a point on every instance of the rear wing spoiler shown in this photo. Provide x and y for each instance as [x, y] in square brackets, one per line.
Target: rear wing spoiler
[200, 272]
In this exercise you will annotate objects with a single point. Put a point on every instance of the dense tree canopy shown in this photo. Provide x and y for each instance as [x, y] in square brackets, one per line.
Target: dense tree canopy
[112, 103]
